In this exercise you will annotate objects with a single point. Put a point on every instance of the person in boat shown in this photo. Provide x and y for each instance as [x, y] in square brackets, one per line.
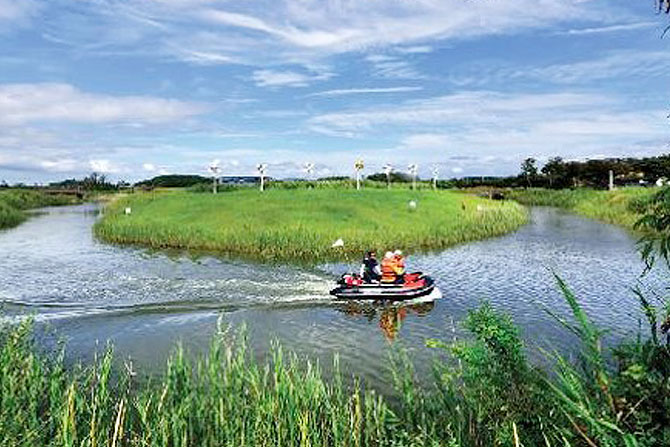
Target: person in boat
[400, 263]
[391, 271]
[370, 270]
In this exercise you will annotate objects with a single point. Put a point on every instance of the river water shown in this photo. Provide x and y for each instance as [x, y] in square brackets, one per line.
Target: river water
[87, 293]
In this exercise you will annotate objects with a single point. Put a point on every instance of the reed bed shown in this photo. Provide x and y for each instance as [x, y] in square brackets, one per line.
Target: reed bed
[14, 201]
[302, 224]
[620, 207]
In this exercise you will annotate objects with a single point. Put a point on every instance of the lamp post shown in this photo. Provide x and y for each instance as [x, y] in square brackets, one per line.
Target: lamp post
[214, 169]
[436, 172]
[309, 169]
[388, 169]
[262, 167]
[413, 169]
[358, 166]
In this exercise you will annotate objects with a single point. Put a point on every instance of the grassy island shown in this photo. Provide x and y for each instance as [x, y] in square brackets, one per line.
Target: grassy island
[302, 224]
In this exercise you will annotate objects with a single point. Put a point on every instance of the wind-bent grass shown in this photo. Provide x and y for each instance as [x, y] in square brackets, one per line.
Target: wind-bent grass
[620, 207]
[301, 225]
[14, 201]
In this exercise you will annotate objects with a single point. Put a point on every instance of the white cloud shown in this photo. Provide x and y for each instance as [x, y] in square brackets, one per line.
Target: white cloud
[357, 91]
[17, 11]
[393, 67]
[465, 108]
[272, 78]
[611, 28]
[417, 49]
[149, 167]
[266, 31]
[623, 63]
[493, 124]
[104, 166]
[25, 103]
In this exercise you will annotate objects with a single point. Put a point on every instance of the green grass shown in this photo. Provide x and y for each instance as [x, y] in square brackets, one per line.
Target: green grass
[620, 207]
[14, 201]
[302, 224]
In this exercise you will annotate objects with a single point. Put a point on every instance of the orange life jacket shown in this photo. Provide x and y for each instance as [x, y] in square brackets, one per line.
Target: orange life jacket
[400, 265]
[389, 267]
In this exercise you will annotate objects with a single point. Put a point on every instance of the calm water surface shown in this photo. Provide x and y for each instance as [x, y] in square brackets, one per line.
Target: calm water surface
[88, 293]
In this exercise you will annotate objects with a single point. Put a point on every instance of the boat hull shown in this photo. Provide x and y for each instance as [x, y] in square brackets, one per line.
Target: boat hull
[387, 292]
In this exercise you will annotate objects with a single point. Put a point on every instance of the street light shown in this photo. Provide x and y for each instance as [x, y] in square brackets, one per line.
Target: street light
[309, 169]
[413, 169]
[358, 166]
[262, 167]
[388, 169]
[215, 169]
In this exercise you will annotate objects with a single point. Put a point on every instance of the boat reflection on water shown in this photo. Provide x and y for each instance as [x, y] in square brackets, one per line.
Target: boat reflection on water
[390, 314]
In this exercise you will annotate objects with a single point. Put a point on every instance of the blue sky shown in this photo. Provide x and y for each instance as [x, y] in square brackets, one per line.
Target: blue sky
[137, 88]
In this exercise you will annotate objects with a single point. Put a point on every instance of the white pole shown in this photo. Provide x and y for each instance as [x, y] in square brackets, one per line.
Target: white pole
[358, 166]
[261, 170]
[214, 186]
[611, 184]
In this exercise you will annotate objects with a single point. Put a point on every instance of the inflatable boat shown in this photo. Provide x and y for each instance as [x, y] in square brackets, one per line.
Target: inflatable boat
[351, 286]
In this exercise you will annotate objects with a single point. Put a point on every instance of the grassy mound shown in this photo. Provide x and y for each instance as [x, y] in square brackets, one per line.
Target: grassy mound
[281, 225]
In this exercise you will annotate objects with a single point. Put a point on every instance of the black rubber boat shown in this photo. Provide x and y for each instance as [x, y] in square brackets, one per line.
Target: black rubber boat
[416, 285]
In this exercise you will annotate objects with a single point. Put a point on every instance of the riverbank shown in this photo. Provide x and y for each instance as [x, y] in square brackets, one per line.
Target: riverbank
[622, 207]
[485, 393]
[302, 225]
[13, 203]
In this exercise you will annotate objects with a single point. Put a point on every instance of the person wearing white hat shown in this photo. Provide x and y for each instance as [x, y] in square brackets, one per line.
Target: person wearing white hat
[388, 268]
[400, 265]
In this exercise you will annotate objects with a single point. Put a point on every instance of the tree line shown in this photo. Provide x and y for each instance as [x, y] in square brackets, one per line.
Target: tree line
[558, 173]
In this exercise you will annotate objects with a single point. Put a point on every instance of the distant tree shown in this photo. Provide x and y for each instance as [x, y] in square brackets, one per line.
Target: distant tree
[529, 170]
[555, 171]
[174, 181]
[334, 178]
[396, 177]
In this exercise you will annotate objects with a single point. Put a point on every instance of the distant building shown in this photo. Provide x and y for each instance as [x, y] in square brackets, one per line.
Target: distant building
[241, 179]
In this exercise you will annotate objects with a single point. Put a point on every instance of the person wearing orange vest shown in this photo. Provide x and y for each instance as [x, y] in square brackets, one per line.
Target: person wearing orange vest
[392, 272]
[400, 262]
[388, 268]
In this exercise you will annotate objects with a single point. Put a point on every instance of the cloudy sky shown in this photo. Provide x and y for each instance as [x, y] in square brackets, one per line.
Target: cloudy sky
[134, 88]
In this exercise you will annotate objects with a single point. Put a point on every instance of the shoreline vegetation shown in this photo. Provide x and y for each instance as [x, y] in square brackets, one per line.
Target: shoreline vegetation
[14, 202]
[301, 225]
[484, 393]
[623, 207]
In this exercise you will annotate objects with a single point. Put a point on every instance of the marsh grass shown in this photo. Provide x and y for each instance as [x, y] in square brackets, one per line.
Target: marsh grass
[14, 201]
[302, 224]
[620, 207]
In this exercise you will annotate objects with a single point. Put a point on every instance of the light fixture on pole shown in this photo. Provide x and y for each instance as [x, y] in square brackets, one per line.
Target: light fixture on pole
[358, 166]
[388, 169]
[413, 170]
[262, 167]
[436, 172]
[215, 169]
[309, 169]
